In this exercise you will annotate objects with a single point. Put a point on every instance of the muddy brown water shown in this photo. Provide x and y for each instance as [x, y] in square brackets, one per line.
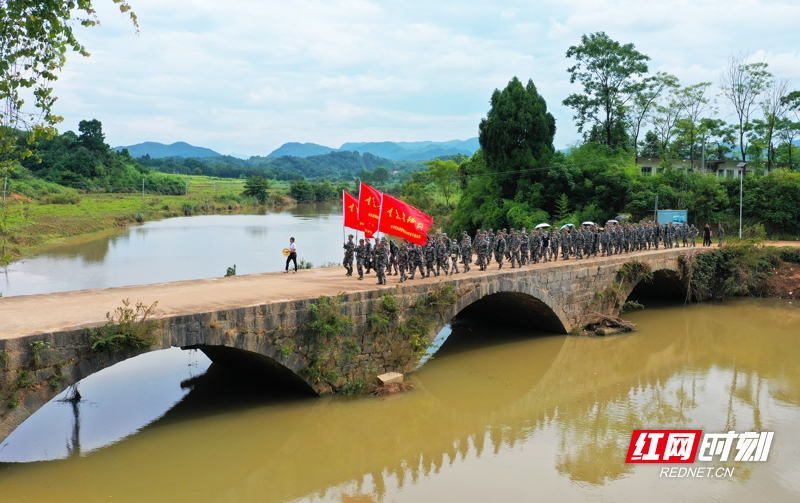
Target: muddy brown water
[497, 415]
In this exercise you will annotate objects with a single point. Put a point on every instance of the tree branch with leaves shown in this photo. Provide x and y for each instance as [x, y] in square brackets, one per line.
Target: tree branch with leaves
[35, 36]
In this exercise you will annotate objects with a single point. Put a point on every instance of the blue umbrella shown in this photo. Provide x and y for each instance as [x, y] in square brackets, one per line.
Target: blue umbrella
[567, 225]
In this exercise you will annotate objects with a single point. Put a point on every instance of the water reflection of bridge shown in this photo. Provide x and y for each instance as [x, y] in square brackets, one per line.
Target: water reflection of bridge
[573, 381]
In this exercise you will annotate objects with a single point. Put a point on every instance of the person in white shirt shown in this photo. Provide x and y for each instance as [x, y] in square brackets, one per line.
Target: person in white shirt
[292, 256]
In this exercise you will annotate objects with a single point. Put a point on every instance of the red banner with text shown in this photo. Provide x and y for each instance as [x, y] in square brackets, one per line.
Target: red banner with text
[351, 219]
[404, 221]
[369, 208]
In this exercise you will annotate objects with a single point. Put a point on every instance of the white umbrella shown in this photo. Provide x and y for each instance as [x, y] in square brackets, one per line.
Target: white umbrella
[588, 223]
[612, 222]
[541, 226]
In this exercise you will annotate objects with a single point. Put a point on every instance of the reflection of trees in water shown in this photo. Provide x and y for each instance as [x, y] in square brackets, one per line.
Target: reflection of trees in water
[323, 209]
[592, 392]
[93, 250]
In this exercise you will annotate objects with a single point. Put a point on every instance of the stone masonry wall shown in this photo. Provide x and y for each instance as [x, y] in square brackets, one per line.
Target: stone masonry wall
[561, 297]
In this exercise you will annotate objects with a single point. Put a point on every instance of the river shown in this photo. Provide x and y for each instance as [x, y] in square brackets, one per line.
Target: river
[498, 414]
[182, 248]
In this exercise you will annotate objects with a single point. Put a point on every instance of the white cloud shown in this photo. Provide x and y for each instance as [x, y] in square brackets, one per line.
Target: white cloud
[248, 75]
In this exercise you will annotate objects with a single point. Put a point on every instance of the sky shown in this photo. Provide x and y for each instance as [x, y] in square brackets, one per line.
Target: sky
[246, 76]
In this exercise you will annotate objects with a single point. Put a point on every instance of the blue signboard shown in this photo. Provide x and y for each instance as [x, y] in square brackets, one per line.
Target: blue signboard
[672, 216]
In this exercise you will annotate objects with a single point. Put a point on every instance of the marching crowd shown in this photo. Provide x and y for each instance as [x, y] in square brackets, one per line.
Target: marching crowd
[442, 255]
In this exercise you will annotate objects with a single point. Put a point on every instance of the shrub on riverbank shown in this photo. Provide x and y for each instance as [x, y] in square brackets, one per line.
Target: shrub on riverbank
[744, 269]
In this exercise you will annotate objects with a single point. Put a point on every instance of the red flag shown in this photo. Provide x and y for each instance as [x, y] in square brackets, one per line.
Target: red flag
[369, 208]
[351, 214]
[404, 221]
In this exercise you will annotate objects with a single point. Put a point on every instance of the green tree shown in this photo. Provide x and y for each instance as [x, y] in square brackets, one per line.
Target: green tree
[34, 38]
[380, 175]
[92, 136]
[445, 175]
[562, 208]
[516, 137]
[775, 107]
[642, 104]
[256, 186]
[612, 75]
[742, 84]
[302, 191]
[694, 105]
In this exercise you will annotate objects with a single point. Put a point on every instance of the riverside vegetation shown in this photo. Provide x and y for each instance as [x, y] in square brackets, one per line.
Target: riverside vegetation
[516, 179]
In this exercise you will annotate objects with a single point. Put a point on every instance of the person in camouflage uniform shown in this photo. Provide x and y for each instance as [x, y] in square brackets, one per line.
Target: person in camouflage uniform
[417, 259]
[349, 250]
[394, 250]
[402, 261]
[466, 252]
[361, 251]
[524, 247]
[500, 249]
[455, 253]
[430, 257]
[577, 238]
[536, 246]
[566, 244]
[605, 239]
[381, 260]
[693, 232]
[482, 249]
[441, 257]
[368, 256]
[513, 245]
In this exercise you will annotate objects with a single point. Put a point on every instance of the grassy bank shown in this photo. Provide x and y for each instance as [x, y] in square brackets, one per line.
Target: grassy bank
[40, 216]
[744, 269]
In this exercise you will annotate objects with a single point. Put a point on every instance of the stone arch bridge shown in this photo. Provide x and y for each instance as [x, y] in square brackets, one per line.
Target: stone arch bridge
[260, 323]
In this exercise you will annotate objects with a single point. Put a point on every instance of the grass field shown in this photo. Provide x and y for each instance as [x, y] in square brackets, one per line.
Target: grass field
[32, 223]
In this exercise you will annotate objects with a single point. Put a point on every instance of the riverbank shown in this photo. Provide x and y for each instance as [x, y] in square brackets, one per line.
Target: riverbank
[34, 224]
[745, 269]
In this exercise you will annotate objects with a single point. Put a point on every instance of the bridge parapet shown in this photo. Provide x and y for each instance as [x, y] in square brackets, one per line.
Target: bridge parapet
[274, 337]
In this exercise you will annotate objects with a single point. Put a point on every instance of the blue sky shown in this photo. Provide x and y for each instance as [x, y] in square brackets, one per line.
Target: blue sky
[245, 76]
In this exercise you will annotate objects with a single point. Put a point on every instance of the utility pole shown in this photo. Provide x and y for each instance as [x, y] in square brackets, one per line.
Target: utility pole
[742, 166]
[655, 215]
[142, 191]
[187, 187]
[703, 158]
[5, 188]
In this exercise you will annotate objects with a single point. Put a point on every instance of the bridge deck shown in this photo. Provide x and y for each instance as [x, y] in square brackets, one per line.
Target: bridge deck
[34, 314]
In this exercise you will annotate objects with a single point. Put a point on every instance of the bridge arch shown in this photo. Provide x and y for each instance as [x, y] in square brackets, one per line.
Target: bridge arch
[515, 300]
[68, 359]
[666, 283]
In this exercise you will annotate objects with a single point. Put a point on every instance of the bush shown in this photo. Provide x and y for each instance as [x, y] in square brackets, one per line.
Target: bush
[188, 209]
[302, 191]
[126, 328]
[63, 198]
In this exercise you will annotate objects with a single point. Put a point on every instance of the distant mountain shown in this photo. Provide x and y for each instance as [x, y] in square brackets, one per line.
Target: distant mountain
[415, 150]
[301, 150]
[159, 150]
